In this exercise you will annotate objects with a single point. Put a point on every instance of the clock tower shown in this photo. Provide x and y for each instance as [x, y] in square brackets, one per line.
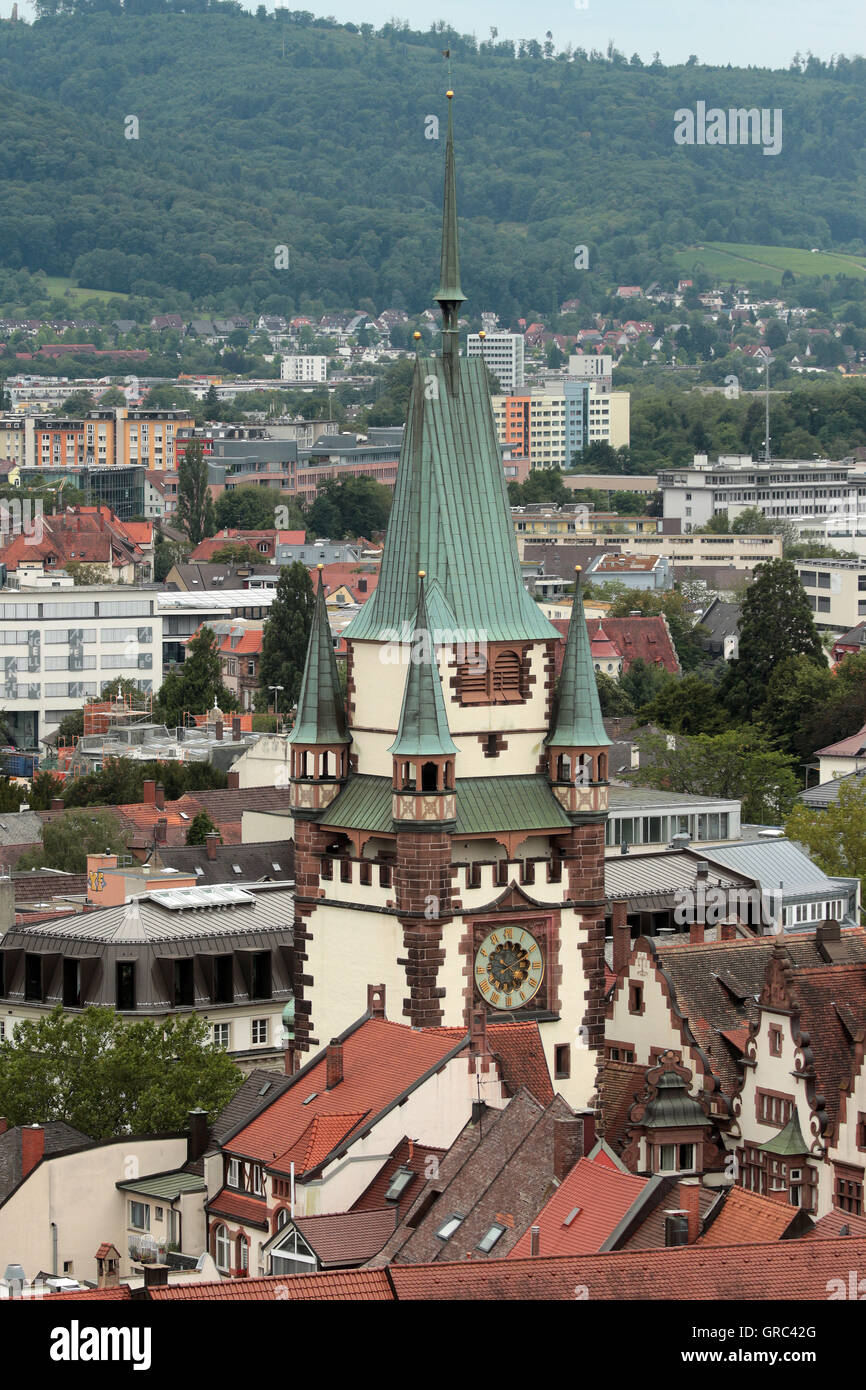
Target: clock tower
[454, 849]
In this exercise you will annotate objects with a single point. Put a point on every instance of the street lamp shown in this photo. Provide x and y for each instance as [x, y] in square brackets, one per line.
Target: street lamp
[276, 689]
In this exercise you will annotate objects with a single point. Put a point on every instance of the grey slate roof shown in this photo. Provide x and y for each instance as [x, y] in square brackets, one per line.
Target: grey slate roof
[274, 862]
[59, 1136]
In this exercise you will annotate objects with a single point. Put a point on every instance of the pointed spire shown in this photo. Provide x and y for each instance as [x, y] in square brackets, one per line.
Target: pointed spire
[423, 730]
[577, 721]
[449, 294]
[321, 714]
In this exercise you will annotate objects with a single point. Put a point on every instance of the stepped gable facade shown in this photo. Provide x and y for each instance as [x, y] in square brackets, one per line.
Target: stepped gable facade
[450, 812]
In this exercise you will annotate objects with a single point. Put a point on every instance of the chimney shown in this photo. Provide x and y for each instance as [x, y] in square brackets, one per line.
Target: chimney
[56, 803]
[236, 727]
[197, 1140]
[234, 780]
[149, 793]
[4, 1124]
[728, 931]
[376, 1001]
[159, 796]
[702, 871]
[160, 831]
[138, 849]
[534, 1234]
[567, 1145]
[155, 1276]
[334, 1064]
[32, 1147]
[690, 1202]
[621, 937]
[211, 840]
[696, 933]
[218, 730]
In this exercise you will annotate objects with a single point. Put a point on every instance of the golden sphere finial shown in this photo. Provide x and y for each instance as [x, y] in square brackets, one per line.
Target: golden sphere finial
[320, 566]
[449, 94]
[577, 569]
[481, 333]
[416, 335]
[422, 574]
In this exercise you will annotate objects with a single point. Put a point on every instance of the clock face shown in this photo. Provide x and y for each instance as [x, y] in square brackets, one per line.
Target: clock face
[509, 967]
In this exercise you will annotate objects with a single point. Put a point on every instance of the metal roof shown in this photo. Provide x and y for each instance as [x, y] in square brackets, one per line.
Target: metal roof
[484, 805]
[638, 798]
[772, 863]
[169, 1186]
[215, 599]
[633, 876]
[249, 912]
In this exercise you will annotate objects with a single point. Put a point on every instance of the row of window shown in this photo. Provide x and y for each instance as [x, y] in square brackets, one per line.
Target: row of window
[79, 608]
[655, 830]
[183, 984]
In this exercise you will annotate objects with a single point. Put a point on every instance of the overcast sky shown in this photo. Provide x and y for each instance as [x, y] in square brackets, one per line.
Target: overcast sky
[766, 33]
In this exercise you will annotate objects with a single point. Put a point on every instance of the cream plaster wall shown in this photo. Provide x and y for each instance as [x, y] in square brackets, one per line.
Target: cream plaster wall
[259, 827]
[265, 764]
[78, 1192]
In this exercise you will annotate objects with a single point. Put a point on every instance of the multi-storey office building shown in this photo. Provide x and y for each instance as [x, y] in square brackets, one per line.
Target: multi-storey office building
[182, 613]
[548, 425]
[813, 491]
[836, 590]
[61, 646]
[304, 367]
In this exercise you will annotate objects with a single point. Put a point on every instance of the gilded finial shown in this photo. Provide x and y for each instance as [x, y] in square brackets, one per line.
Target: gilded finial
[320, 566]
[416, 335]
[449, 94]
[481, 333]
[422, 574]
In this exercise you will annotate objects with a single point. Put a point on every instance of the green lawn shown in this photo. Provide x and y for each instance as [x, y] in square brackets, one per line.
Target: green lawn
[61, 285]
[754, 264]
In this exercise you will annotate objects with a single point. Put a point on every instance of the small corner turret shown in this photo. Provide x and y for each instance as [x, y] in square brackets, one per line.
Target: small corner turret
[577, 743]
[320, 738]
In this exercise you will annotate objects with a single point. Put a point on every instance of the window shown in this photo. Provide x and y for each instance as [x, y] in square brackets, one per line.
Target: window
[398, 1184]
[260, 1032]
[125, 985]
[773, 1109]
[71, 983]
[139, 1216]
[775, 1040]
[562, 1061]
[635, 999]
[233, 1173]
[676, 1158]
[498, 679]
[222, 1249]
[447, 1229]
[158, 1214]
[33, 978]
[487, 1241]
[221, 1034]
[753, 1169]
[848, 1190]
[861, 1126]
[243, 1255]
[293, 1256]
[262, 975]
[223, 980]
[184, 996]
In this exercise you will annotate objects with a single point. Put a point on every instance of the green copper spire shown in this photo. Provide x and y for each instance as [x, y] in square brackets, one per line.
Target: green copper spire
[423, 730]
[321, 713]
[449, 294]
[577, 721]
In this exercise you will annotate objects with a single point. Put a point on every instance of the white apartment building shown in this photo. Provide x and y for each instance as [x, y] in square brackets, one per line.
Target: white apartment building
[60, 646]
[551, 423]
[836, 590]
[503, 354]
[829, 496]
[304, 367]
[591, 366]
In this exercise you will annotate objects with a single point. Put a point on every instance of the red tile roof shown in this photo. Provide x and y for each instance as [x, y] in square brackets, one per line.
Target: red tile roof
[323, 1133]
[747, 1219]
[846, 747]
[835, 1224]
[356, 1285]
[116, 1293]
[602, 1195]
[381, 1060]
[832, 1004]
[238, 1207]
[348, 1237]
[520, 1052]
[407, 1154]
[646, 638]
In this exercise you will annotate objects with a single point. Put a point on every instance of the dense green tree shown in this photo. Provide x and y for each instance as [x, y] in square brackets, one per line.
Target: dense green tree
[798, 691]
[78, 403]
[120, 782]
[236, 553]
[612, 698]
[43, 789]
[255, 509]
[287, 633]
[195, 513]
[108, 1078]
[542, 485]
[167, 554]
[68, 839]
[200, 827]
[11, 794]
[643, 682]
[350, 507]
[687, 706]
[776, 623]
[733, 765]
[835, 838]
[197, 685]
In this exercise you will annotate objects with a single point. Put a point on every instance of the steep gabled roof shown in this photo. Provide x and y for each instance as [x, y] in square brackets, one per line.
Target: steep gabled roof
[748, 1219]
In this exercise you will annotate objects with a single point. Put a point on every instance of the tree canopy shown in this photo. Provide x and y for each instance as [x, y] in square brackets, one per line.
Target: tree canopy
[286, 635]
[68, 839]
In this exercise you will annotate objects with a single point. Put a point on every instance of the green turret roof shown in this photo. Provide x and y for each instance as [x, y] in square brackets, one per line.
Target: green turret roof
[788, 1142]
[321, 714]
[673, 1106]
[451, 516]
[423, 728]
[577, 720]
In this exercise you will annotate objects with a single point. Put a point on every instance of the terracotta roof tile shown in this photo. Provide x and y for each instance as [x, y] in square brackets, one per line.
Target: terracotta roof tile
[621, 1084]
[351, 1285]
[116, 1294]
[236, 1205]
[747, 1219]
[837, 1223]
[323, 1133]
[348, 1237]
[600, 1195]
[520, 1052]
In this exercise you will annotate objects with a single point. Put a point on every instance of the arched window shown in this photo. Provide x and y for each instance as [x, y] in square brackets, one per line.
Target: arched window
[563, 768]
[429, 773]
[222, 1249]
[281, 1218]
[243, 1255]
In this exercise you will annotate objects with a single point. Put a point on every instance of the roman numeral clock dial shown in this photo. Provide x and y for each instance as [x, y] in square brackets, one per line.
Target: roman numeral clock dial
[509, 968]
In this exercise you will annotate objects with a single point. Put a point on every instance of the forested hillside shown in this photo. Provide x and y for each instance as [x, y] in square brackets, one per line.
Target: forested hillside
[258, 131]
